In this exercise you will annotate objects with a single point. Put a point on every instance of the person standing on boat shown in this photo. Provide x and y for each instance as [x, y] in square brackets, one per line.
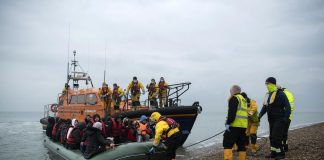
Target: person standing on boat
[253, 123]
[278, 109]
[65, 89]
[117, 95]
[152, 93]
[167, 129]
[96, 142]
[163, 92]
[105, 95]
[236, 124]
[134, 87]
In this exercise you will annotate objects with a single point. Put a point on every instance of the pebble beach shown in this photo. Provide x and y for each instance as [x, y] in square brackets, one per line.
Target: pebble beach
[304, 143]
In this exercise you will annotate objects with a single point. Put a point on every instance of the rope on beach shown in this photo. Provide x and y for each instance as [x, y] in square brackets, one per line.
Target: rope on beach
[204, 139]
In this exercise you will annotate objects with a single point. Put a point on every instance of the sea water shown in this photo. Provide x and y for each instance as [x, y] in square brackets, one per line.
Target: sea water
[21, 134]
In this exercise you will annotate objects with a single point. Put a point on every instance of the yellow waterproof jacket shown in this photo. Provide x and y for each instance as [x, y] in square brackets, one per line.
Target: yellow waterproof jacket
[163, 88]
[140, 85]
[120, 92]
[252, 110]
[108, 94]
[153, 94]
[160, 129]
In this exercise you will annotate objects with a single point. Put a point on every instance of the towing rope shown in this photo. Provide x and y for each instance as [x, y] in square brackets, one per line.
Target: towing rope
[205, 139]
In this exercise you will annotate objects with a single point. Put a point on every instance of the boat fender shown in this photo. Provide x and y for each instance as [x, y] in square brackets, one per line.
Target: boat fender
[54, 108]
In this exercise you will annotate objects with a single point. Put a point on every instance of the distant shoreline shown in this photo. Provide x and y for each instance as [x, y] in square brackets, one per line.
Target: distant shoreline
[305, 142]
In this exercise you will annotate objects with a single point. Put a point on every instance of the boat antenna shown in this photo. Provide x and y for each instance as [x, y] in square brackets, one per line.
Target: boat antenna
[105, 62]
[68, 57]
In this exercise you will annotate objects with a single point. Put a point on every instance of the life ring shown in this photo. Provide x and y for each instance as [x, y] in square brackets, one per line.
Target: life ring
[54, 107]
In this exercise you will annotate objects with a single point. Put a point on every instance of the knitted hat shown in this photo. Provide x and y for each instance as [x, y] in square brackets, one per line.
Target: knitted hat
[271, 80]
[97, 125]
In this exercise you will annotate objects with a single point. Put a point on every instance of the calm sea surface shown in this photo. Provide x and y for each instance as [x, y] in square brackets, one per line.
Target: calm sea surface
[22, 136]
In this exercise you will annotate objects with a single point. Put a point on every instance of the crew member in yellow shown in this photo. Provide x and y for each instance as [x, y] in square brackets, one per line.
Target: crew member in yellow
[253, 123]
[65, 89]
[236, 124]
[117, 95]
[152, 93]
[105, 95]
[163, 92]
[167, 131]
[134, 87]
[291, 100]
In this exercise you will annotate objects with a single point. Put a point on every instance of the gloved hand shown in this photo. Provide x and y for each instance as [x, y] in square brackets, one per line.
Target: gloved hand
[227, 126]
[152, 150]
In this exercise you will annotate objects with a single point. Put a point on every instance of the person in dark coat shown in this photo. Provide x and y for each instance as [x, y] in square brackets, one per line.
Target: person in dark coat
[50, 125]
[74, 140]
[96, 142]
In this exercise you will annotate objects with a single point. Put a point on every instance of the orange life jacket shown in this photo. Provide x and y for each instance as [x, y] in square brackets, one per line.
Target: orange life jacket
[143, 128]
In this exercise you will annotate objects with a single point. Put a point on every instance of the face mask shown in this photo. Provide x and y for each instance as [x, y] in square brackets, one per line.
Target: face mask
[135, 81]
[271, 87]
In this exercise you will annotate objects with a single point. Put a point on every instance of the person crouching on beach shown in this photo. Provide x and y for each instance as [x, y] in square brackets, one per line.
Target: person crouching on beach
[236, 124]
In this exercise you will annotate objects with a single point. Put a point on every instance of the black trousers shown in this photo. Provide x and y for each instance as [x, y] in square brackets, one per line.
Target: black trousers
[236, 135]
[276, 127]
[285, 133]
[172, 144]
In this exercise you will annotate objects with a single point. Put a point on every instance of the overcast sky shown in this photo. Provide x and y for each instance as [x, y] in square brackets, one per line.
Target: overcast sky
[213, 44]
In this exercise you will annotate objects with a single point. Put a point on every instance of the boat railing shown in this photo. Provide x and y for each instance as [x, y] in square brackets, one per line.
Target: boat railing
[175, 91]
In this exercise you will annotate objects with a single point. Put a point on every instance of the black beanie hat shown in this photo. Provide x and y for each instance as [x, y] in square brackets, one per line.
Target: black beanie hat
[271, 80]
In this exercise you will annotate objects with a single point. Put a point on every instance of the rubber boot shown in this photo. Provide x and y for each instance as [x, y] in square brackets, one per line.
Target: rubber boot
[273, 154]
[242, 155]
[253, 148]
[228, 154]
[235, 147]
[280, 155]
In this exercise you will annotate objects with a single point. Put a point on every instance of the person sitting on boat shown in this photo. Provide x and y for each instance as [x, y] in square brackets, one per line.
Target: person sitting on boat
[117, 95]
[74, 138]
[89, 120]
[64, 130]
[153, 92]
[105, 95]
[97, 118]
[135, 87]
[116, 128]
[96, 142]
[167, 129]
[73, 125]
[50, 125]
[163, 92]
[143, 129]
[55, 131]
[128, 131]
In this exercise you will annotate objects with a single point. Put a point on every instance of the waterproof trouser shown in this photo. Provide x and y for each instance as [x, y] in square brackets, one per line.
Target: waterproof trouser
[236, 135]
[285, 135]
[276, 125]
[172, 144]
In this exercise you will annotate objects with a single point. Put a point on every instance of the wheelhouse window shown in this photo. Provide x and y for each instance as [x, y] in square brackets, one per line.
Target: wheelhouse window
[81, 99]
[91, 99]
[74, 100]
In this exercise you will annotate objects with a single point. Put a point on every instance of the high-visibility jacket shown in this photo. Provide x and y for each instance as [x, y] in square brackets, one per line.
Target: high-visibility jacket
[163, 86]
[135, 88]
[291, 100]
[117, 92]
[241, 118]
[153, 90]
